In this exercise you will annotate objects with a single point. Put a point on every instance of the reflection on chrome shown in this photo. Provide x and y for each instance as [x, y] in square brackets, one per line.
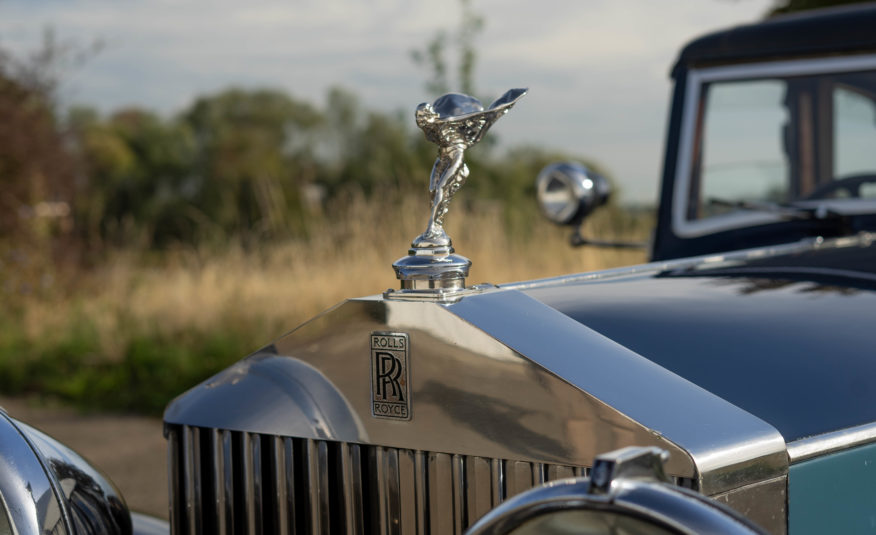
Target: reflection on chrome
[48, 488]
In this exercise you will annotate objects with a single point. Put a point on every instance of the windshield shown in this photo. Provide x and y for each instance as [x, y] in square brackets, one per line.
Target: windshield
[783, 139]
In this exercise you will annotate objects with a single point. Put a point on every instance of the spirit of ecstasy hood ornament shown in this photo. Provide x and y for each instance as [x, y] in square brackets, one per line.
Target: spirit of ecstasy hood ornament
[454, 122]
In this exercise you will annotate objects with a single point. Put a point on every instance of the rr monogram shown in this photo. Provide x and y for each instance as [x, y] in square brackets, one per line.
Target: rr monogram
[390, 376]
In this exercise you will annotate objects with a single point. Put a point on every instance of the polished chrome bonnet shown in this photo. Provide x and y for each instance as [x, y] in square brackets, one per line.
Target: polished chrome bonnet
[495, 375]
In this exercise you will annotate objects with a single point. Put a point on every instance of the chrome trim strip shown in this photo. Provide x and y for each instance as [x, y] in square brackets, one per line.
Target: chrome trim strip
[810, 447]
[710, 260]
[728, 446]
[695, 79]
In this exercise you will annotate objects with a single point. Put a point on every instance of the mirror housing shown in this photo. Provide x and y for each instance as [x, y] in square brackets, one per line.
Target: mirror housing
[568, 192]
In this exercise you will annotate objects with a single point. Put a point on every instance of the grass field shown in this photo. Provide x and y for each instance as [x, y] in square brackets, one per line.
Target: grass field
[140, 328]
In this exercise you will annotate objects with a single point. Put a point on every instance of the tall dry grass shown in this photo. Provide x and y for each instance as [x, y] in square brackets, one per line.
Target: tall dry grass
[159, 324]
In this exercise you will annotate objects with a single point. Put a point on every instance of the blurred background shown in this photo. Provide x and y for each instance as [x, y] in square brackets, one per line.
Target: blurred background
[183, 182]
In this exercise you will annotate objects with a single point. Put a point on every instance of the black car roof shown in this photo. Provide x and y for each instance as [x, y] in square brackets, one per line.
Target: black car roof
[844, 30]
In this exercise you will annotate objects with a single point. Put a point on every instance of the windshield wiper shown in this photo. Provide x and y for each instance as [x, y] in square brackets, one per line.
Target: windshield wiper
[784, 210]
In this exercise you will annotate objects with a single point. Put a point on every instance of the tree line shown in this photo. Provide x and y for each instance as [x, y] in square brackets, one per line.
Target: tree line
[256, 164]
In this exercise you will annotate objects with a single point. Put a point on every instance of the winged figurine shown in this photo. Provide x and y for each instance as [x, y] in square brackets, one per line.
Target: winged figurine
[454, 122]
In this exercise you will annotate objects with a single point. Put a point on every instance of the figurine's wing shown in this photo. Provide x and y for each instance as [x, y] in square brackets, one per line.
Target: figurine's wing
[508, 99]
[486, 118]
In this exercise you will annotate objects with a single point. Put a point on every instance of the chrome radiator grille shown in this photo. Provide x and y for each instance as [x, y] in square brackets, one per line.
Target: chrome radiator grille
[235, 482]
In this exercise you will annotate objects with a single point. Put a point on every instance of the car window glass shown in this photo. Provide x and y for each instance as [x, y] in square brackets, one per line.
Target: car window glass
[854, 136]
[742, 153]
[783, 139]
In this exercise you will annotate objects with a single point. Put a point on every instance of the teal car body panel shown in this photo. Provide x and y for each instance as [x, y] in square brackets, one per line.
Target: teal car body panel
[835, 493]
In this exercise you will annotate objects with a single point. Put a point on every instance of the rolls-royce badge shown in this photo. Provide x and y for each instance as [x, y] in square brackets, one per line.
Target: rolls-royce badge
[390, 376]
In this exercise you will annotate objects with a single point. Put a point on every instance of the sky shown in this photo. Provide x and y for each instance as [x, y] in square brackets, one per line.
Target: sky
[597, 70]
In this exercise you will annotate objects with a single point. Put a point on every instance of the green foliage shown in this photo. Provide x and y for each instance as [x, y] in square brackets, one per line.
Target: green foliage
[137, 176]
[254, 152]
[151, 369]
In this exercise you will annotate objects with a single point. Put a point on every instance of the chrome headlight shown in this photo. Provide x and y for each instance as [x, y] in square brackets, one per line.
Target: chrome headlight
[627, 492]
[48, 488]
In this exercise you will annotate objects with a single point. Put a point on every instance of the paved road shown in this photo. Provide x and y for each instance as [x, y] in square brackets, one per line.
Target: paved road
[129, 449]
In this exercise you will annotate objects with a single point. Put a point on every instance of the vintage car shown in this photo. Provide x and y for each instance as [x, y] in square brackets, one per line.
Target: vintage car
[740, 361]
[726, 387]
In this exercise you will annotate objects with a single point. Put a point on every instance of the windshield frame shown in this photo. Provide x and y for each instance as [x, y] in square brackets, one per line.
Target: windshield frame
[696, 80]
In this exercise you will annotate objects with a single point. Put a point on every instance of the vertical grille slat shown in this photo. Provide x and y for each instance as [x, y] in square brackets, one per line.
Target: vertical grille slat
[440, 491]
[351, 477]
[519, 477]
[497, 481]
[480, 487]
[388, 492]
[284, 490]
[458, 478]
[234, 482]
[252, 482]
[539, 474]
[421, 479]
[407, 486]
[176, 513]
[316, 456]
[222, 480]
[191, 447]
[555, 472]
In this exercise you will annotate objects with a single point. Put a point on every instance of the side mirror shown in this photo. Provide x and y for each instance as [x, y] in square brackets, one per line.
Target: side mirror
[626, 493]
[569, 192]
